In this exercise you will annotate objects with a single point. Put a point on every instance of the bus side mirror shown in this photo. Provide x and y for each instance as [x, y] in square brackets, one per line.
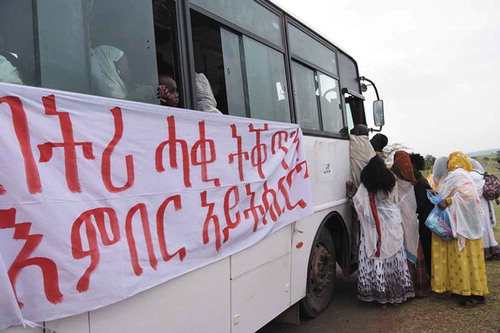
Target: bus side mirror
[378, 113]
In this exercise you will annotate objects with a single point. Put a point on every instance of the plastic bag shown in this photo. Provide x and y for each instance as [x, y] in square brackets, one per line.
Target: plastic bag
[438, 220]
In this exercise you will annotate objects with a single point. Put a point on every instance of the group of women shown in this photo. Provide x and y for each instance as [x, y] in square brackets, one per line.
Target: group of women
[399, 257]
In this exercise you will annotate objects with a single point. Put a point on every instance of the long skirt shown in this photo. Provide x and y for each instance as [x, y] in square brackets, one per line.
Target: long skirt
[419, 275]
[490, 244]
[384, 280]
[460, 272]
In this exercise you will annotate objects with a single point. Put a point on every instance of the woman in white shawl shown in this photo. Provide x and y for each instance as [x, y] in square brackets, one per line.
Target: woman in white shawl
[109, 65]
[458, 265]
[8, 73]
[383, 274]
[405, 179]
[490, 244]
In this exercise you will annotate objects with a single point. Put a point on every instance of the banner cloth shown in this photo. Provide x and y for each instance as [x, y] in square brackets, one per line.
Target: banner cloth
[101, 199]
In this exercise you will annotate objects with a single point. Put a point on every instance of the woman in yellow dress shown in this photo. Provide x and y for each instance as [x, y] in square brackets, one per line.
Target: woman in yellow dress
[458, 265]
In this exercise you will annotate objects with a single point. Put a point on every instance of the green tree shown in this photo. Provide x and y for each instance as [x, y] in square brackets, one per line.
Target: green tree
[429, 161]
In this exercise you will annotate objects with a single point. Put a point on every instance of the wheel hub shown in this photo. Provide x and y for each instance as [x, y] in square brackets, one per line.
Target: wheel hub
[322, 270]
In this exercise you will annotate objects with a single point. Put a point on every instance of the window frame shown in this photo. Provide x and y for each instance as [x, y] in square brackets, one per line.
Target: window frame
[290, 20]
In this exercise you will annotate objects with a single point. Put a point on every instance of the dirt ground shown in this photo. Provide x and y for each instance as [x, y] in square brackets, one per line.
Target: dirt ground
[437, 313]
[345, 314]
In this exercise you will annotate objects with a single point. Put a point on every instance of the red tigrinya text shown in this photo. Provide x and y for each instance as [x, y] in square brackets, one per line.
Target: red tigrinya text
[240, 155]
[200, 155]
[277, 144]
[172, 143]
[106, 157]
[76, 239]
[258, 155]
[68, 144]
[21, 128]
[134, 258]
[47, 266]
[264, 204]
[105, 214]
[160, 227]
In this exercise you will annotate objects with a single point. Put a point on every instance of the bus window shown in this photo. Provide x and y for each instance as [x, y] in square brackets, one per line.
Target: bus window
[233, 73]
[265, 70]
[123, 29]
[208, 57]
[247, 14]
[17, 42]
[165, 29]
[331, 108]
[301, 45]
[350, 121]
[306, 100]
[247, 77]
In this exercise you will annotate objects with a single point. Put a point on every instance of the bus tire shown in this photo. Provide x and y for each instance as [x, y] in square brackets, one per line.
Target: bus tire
[320, 276]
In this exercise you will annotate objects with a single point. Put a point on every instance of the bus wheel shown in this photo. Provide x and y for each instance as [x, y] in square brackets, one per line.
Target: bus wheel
[321, 276]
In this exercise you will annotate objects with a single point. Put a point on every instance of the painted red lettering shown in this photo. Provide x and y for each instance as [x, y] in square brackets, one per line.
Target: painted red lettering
[277, 144]
[230, 223]
[47, 266]
[271, 204]
[68, 144]
[289, 180]
[172, 146]
[240, 154]
[160, 225]
[106, 157]
[76, 239]
[200, 147]
[21, 128]
[259, 151]
[257, 211]
[211, 217]
[141, 208]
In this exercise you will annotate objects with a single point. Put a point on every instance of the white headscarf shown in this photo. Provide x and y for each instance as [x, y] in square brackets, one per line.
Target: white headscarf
[106, 80]
[8, 73]
[465, 210]
[440, 170]
[206, 98]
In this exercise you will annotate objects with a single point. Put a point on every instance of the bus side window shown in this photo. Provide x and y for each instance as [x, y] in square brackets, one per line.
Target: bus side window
[126, 26]
[17, 42]
[316, 90]
[165, 29]
[247, 77]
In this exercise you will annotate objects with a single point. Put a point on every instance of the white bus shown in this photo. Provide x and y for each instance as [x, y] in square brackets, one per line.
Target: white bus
[261, 63]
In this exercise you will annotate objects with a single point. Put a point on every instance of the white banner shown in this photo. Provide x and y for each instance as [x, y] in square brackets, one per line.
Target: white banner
[101, 199]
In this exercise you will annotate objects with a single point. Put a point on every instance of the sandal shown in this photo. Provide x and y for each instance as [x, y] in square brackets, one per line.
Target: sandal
[468, 303]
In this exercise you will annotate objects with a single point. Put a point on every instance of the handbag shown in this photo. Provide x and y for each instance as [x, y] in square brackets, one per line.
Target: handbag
[438, 220]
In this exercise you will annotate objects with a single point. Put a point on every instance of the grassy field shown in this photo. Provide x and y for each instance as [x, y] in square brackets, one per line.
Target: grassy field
[440, 313]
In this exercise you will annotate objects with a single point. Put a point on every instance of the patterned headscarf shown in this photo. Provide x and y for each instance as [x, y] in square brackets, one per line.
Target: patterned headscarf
[402, 166]
[458, 159]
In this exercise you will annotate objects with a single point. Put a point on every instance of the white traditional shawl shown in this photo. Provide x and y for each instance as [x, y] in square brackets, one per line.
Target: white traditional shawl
[408, 205]
[390, 223]
[8, 73]
[105, 77]
[465, 210]
[361, 151]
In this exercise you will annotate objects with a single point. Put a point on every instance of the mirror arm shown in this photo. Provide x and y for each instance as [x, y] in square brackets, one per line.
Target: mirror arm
[362, 78]
[376, 130]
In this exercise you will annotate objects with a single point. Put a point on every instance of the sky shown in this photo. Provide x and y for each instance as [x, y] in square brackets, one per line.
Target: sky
[436, 65]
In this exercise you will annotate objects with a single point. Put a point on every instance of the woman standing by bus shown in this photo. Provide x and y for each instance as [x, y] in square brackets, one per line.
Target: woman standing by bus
[405, 180]
[383, 272]
[459, 264]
